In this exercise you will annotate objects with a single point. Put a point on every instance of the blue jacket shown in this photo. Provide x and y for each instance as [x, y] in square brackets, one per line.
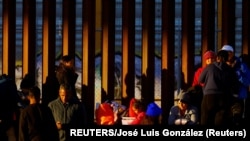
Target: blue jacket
[243, 76]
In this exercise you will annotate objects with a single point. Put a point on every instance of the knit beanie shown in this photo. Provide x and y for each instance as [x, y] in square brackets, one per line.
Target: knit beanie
[153, 110]
[185, 97]
[209, 54]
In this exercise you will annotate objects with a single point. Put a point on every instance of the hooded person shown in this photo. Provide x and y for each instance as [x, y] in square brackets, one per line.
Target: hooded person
[184, 113]
[104, 114]
[131, 112]
[185, 98]
[153, 115]
[139, 110]
[153, 110]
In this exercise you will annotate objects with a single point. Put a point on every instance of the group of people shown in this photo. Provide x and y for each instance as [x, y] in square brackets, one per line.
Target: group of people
[219, 95]
[224, 84]
[137, 113]
[39, 122]
[222, 88]
[35, 121]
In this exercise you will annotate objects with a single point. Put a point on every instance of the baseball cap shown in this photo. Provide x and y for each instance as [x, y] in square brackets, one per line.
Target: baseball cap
[227, 48]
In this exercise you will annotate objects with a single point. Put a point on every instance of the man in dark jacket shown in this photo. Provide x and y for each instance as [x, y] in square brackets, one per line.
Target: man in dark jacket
[68, 111]
[219, 80]
[36, 120]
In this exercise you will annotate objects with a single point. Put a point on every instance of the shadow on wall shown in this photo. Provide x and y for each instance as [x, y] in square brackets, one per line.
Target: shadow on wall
[117, 80]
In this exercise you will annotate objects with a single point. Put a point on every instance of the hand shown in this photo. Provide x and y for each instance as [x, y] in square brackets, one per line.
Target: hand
[115, 115]
[181, 121]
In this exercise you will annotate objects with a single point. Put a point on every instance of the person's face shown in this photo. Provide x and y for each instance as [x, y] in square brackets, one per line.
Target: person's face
[182, 105]
[135, 110]
[69, 64]
[230, 55]
[25, 91]
[209, 61]
[29, 96]
[64, 95]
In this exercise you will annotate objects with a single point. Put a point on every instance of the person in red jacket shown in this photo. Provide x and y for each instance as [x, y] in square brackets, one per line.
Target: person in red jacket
[209, 57]
[131, 112]
[140, 112]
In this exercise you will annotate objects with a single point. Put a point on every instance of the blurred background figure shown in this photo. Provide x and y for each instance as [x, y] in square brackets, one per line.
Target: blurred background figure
[242, 70]
[65, 73]
[27, 82]
[8, 108]
[245, 58]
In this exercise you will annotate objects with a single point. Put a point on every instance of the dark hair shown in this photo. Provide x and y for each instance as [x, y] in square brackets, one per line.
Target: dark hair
[222, 55]
[66, 58]
[35, 91]
[139, 105]
[27, 82]
[63, 60]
